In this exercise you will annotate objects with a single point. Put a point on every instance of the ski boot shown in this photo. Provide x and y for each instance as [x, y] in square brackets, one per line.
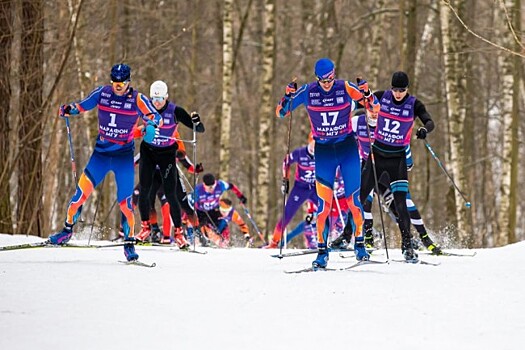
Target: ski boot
[145, 231]
[129, 249]
[430, 245]
[179, 238]
[63, 236]
[369, 237]
[322, 257]
[408, 253]
[360, 251]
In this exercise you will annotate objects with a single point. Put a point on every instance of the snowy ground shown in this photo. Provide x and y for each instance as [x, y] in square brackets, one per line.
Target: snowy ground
[70, 298]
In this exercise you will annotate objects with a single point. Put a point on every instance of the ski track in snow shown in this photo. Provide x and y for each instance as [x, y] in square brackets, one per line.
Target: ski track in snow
[69, 298]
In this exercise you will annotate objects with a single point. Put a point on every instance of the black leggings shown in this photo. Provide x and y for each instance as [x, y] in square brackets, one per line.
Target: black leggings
[164, 158]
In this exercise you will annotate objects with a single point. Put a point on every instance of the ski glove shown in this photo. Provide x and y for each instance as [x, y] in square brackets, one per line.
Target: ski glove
[150, 131]
[243, 199]
[309, 218]
[195, 118]
[291, 89]
[285, 186]
[362, 85]
[421, 133]
[70, 109]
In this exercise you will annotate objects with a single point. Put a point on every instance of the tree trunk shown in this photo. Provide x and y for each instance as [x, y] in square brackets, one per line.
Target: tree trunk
[31, 83]
[455, 71]
[6, 38]
[227, 76]
[266, 116]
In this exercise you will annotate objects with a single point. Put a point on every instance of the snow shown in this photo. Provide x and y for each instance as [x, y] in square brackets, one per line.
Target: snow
[69, 298]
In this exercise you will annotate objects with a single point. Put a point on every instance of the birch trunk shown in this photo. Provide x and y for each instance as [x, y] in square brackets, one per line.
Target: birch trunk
[506, 62]
[227, 56]
[453, 43]
[266, 116]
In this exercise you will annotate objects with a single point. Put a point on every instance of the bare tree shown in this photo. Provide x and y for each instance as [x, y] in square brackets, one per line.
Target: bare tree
[453, 44]
[31, 83]
[6, 38]
[227, 72]
[266, 115]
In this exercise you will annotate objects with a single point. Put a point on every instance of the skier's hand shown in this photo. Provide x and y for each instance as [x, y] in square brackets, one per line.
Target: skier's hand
[362, 85]
[151, 131]
[67, 110]
[195, 118]
[180, 155]
[199, 168]
[421, 133]
[243, 199]
[291, 89]
[309, 218]
[285, 186]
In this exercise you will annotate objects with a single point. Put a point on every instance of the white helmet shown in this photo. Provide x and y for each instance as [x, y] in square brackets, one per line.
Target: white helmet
[158, 89]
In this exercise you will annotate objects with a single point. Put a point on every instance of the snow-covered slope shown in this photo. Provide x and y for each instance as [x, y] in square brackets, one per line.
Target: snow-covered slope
[68, 298]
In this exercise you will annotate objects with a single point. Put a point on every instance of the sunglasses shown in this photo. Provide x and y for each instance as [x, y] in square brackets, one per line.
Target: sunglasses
[120, 83]
[157, 99]
[399, 89]
[325, 81]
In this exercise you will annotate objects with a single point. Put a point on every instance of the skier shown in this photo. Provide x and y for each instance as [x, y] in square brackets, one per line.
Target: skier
[119, 107]
[157, 190]
[329, 102]
[391, 139]
[229, 214]
[207, 196]
[161, 152]
[302, 190]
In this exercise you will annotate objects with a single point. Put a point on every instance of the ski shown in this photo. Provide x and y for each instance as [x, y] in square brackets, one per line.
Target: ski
[195, 251]
[359, 263]
[421, 262]
[137, 263]
[310, 269]
[363, 262]
[312, 251]
[45, 244]
[443, 253]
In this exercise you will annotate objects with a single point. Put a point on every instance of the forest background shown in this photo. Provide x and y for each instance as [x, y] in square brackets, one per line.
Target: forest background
[230, 61]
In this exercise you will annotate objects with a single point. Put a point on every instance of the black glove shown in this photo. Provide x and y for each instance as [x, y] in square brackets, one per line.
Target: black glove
[199, 168]
[180, 155]
[309, 218]
[243, 199]
[195, 118]
[285, 186]
[421, 133]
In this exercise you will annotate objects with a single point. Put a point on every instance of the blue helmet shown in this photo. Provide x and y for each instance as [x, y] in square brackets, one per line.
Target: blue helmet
[120, 72]
[324, 68]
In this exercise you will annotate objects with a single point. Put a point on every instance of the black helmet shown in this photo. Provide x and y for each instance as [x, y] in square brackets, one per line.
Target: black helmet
[120, 72]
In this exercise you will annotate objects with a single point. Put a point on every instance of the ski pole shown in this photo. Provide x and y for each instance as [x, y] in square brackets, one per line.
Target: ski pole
[73, 162]
[176, 139]
[376, 184]
[194, 150]
[290, 108]
[467, 203]
[247, 212]
[71, 151]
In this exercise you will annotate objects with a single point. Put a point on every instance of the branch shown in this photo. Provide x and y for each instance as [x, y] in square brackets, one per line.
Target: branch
[447, 2]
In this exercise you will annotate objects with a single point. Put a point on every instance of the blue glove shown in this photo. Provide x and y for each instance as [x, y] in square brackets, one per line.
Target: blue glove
[70, 109]
[291, 89]
[362, 85]
[150, 132]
